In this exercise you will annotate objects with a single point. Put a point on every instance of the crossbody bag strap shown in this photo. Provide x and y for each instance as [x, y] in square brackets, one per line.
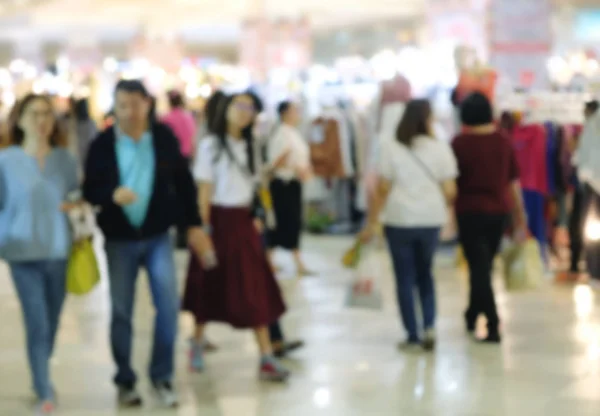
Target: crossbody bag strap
[423, 166]
[427, 172]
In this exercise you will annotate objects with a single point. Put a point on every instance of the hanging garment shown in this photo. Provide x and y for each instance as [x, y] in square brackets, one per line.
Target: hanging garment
[564, 169]
[345, 139]
[479, 80]
[535, 208]
[325, 149]
[551, 157]
[530, 147]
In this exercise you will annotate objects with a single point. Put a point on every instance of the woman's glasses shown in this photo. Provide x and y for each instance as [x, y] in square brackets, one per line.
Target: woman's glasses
[248, 108]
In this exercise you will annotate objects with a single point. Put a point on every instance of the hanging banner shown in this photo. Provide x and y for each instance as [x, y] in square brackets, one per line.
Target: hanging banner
[267, 45]
[461, 23]
[166, 53]
[253, 49]
[521, 40]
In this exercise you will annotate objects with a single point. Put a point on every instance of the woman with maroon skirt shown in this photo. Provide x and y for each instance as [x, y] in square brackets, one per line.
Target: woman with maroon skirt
[241, 290]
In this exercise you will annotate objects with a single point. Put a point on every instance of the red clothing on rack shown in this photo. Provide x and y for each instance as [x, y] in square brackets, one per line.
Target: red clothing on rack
[530, 146]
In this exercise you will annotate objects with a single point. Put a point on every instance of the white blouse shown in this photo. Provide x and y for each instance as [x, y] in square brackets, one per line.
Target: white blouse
[287, 138]
[233, 186]
[416, 198]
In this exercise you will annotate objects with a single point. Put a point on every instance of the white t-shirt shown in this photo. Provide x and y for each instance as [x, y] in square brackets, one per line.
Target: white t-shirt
[416, 198]
[287, 138]
[232, 185]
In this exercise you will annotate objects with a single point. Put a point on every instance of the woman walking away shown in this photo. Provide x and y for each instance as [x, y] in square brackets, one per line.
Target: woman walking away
[488, 189]
[38, 176]
[416, 176]
[241, 290]
[288, 157]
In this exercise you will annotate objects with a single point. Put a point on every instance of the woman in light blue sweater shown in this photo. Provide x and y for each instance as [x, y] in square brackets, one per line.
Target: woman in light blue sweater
[37, 177]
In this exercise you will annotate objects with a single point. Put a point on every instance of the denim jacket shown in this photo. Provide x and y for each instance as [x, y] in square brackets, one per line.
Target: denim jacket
[32, 225]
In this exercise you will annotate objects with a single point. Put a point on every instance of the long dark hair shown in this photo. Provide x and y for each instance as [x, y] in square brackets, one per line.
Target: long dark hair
[221, 128]
[213, 108]
[415, 122]
[16, 135]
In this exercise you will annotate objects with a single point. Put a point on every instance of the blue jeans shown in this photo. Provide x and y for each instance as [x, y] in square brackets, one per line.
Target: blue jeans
[41, 289]
[124, 261]
[412, 251]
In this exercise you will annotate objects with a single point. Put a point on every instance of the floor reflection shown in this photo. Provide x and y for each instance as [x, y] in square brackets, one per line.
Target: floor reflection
[548, 365]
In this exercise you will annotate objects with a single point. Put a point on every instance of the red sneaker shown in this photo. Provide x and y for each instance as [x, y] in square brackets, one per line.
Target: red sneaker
[46, 408]
[271, 370]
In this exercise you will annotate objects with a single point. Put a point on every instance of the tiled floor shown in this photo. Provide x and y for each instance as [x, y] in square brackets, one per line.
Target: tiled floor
[548, 365]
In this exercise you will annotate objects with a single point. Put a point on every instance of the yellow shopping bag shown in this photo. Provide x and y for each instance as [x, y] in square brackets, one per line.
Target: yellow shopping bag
[82, 270]
[352, 256]
[523, 266]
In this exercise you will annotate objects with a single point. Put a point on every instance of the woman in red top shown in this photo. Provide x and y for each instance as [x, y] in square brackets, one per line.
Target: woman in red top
[488, 183]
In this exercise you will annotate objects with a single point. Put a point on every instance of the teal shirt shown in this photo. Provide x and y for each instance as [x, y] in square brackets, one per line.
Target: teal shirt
[137, 166]
[32, 225]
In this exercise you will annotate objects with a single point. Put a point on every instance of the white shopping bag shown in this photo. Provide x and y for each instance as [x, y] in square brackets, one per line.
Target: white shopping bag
[365, 289]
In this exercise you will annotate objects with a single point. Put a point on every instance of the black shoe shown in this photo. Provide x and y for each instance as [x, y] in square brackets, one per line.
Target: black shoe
[429, 340]
[410, 345]
[471, 324]
[492, 338]
[129, 397]
[288, 347]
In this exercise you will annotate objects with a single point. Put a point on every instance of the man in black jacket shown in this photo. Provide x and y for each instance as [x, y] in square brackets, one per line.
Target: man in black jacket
[136, 176]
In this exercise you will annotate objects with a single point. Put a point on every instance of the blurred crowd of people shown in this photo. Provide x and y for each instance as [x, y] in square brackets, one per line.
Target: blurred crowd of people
[232, 204]
[144, 174]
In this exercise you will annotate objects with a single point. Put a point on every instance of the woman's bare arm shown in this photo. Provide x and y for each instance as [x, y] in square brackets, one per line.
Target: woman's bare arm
[204, 200]
[379, 200]
[450, 191]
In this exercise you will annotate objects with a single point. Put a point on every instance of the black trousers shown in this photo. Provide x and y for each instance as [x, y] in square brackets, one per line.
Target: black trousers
[276, 333]
[287, 205]
[480, 236]
[181, 242]
[576, 224]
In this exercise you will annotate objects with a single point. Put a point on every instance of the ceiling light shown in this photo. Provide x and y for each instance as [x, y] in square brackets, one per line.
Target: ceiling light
[38, 87]
[17, 66]
[8, 98]
[5, 78]
[62, 64]
[30, 72]
[110, 64]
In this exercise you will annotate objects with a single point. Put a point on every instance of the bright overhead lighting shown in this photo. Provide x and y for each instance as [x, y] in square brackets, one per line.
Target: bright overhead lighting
[62, 64]
[38, 87]
[5, 78]
[8, 98]
[187, 73]
[192, 91]
[110, 64]
[17, 66]
[30, 72]
[205, 90]
[65, 90]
